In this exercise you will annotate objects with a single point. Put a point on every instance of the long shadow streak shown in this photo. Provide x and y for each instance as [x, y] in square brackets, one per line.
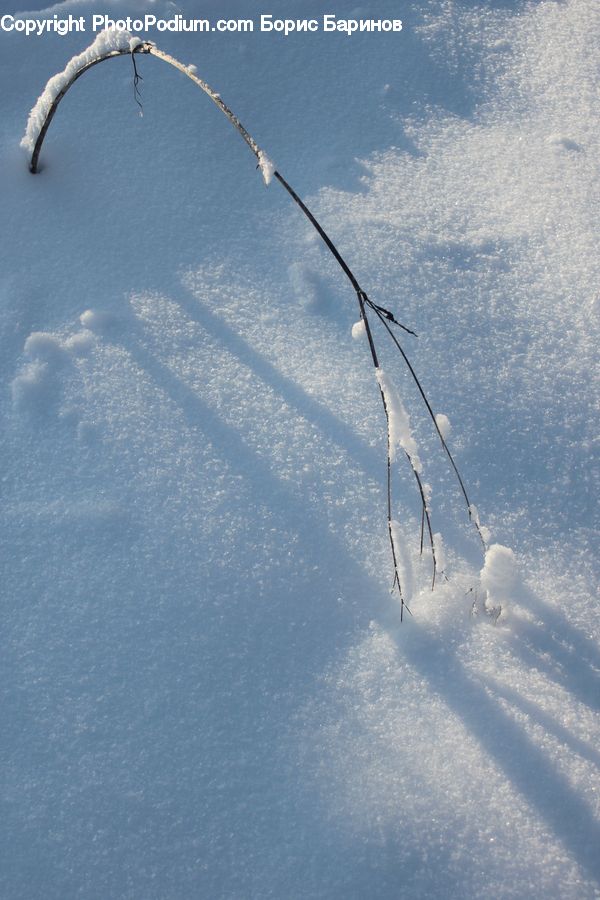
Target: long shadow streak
[525, 766]
[258, 474]
[564, 652]
[342, 434]
[549, 724]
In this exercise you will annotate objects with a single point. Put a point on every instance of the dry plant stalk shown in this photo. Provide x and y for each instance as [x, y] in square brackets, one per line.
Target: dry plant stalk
[365, 304]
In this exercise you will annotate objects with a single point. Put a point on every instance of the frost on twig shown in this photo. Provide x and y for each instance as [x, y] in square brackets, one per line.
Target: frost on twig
[266, 167]
[400, 435]
[113, 43]
[108, 43]
[398, 422]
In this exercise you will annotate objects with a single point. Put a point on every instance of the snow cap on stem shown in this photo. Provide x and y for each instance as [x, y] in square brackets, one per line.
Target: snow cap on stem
[108, 40]
[400, 434]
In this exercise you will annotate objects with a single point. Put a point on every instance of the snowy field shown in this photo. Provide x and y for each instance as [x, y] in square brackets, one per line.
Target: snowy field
[206, 688]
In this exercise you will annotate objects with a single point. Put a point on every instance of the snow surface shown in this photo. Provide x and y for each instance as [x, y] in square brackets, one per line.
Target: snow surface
[206, 690]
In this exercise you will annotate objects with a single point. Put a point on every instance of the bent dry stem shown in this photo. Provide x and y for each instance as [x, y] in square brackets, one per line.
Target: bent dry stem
[384, 316]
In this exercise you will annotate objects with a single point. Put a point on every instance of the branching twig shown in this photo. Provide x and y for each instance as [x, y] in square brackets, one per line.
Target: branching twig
[136, 80]
[388, 315]
[384, 315]
[434, 420]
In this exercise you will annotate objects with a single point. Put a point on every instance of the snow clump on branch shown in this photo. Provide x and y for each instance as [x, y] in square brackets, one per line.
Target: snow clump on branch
[400, 434]
[267, 167]
[358, 329]
[443, 423]
[107, 41]
[498, 578]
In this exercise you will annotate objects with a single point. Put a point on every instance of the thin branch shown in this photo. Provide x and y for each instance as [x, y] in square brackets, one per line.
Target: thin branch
[153, 50]
[426, 514]
[375, 360]
[136, 80]
[434, 420]
[388, 315]
[112, 54]
[384, 315]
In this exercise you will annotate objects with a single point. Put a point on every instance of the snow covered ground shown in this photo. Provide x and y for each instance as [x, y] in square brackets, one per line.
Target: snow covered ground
[206, 689]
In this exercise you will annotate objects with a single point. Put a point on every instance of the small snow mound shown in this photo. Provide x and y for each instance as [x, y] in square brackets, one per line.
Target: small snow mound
[358, 329]
[400, 434]
[498, 577]
[40, 345]
[443, 423]
[96, 320]
[107, 41]
[81, 343]
[192, 69]
[267, 167]
[30, 388]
